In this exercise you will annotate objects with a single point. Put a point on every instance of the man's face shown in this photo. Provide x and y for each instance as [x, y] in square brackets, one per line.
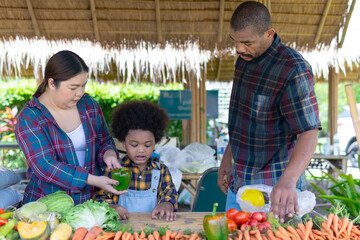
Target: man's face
[250, 44]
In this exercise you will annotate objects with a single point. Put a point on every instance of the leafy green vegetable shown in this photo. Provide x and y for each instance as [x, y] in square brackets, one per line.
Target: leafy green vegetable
[92, 213]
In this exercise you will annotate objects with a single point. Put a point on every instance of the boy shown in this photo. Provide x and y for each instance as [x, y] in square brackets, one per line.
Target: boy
[139, 125]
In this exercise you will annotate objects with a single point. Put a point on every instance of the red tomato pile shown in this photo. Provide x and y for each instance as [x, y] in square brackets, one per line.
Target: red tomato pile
[245, 220]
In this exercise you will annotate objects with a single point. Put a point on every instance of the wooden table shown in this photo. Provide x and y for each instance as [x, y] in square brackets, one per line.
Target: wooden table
[190, 181]
[192, 221]
[334, 161]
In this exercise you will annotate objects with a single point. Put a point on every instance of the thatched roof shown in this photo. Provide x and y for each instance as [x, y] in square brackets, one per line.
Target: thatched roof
[306, 23]
[179, 36]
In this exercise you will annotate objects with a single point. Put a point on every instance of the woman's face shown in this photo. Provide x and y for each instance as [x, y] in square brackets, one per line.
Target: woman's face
[139, 145]
[69, 92]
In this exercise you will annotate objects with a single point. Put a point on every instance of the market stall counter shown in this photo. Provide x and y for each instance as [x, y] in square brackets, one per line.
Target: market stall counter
[192, 221]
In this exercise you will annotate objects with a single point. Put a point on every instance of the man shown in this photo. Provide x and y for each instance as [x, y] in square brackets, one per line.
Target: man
[273, 114]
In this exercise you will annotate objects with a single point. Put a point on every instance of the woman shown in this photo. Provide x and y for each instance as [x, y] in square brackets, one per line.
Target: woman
[63, 134]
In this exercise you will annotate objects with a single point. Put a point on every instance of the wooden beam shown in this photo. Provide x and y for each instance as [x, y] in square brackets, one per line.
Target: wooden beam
[194, 109]
[333, 103]
[322, 21]
[33, 18]
[158, 20]
[348, 17]
[221, 20]
[94, 20]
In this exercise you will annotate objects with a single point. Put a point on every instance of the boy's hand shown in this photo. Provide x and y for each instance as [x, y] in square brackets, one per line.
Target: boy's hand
[164, 208]
[123, 213]
[111, 160]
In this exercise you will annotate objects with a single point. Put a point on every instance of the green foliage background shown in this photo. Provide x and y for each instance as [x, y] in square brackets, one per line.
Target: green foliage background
[109, 95]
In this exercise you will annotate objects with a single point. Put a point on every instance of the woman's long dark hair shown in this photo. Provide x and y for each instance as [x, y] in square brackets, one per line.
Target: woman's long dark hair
[61, 67]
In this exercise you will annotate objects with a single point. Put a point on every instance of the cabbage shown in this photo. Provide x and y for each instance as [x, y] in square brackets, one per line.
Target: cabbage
[30, 211]
[90, 214]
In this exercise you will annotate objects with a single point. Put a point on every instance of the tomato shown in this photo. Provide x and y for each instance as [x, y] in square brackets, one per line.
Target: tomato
[241, 217]
[267, 225]
[244, 227]
[249, 214]
[232, 225]
[253, 223]
[263, 216]
[257, 216]
[261, 227]
[231, 213]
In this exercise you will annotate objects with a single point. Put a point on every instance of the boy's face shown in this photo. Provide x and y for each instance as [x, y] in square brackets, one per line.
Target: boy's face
[139, 145]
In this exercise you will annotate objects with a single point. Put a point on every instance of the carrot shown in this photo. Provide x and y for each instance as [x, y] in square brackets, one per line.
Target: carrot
[300, 233]
[156, 235]
[142, 235]
[173, 234]
[335, 225]
[308, 228]
[293, 231]
[239, 234]
[329, 220]
[126, 236]
[118, 235]
[281, 235]
[252, 237]
[258, 235]
[179, 235]
[106, 236]
[80, 233]
[263, 237]
[349, 227]
[136, 236]
[270, 234]
[151, 237]
[345, 222]
[246, 234]
[93, 233]
[167, 234]
[193, 236]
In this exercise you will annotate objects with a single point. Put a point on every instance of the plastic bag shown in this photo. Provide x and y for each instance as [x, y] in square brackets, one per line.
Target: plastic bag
[306, 200]
[196, 158]
[169, 155]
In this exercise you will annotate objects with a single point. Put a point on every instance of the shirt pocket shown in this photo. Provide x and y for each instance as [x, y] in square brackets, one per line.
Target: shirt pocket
[260, 107]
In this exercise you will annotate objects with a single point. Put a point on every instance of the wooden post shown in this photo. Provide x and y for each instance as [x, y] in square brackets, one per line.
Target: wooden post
[353, 110]
[194, 109]
[333, 103]
[203, 107]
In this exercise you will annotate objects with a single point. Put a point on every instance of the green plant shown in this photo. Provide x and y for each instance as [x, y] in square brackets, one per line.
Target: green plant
[343, 191]
[8, 123]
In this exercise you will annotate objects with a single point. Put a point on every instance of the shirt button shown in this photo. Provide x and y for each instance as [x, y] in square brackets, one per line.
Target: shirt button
[156, 178]
[154, 190]
[139, 176]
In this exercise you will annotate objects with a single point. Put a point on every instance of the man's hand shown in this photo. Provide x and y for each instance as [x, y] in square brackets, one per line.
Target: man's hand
[284, 198]
[164, 209]
[224, 170]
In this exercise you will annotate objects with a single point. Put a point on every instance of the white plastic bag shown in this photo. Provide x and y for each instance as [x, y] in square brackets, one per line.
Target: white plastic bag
[306, 200]
[169, 155]
[196, 158]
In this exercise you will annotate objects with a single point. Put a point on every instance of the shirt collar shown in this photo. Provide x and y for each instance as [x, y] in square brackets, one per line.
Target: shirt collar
[271, 51]
[126, 162]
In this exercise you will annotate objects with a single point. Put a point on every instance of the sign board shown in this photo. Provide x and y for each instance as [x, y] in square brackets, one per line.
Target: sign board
[177, 103]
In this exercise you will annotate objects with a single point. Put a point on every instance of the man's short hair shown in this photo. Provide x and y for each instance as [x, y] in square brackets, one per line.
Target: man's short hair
[251, 14]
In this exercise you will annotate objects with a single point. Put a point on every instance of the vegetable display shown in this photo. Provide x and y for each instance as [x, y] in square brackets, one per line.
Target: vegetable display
[59, 202]
[90, 214]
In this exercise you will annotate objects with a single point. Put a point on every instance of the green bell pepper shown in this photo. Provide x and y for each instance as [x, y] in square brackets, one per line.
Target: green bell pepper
[6, 229]
[216, 225]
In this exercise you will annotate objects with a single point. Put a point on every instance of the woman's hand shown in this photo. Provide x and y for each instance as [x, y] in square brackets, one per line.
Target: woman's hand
[111, 160]
[164, 208]
[105, 183]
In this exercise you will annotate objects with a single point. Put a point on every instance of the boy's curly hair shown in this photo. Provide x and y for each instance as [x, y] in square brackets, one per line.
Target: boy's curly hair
[143, 115]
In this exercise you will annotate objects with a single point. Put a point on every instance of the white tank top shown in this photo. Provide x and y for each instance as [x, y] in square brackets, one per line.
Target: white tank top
[78, 139]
